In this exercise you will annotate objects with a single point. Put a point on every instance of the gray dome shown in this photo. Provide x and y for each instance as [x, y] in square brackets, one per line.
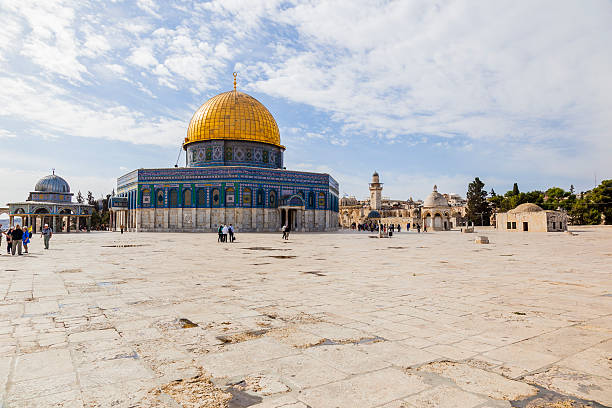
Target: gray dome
[526, 207]
[374, 214]
[435, 199]
[52, 184]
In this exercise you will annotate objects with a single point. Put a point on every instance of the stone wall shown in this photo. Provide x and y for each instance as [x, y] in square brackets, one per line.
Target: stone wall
[243, 219]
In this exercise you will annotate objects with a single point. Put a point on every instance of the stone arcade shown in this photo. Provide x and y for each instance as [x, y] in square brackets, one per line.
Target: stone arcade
[234, 174]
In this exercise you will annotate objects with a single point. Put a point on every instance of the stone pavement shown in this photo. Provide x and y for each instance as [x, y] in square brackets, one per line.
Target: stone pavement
[323, 320]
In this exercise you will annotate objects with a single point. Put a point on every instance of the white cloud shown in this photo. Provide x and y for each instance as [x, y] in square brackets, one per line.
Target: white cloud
[50, 41]
[530, 73]
[55, 112]
[149, 6]
[5, 134]
[143, 57]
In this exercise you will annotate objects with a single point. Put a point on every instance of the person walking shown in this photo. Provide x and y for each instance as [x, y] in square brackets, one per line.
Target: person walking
[287, 231]
[16, 240]
[46, 233]
[26, 239]
[1, 235]
[418, 228]
[121, 227]
[284, 229]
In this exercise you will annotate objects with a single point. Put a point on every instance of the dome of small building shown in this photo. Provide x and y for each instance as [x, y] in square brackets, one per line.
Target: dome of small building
[373, 214]
[233, 115]
[526, 207]
[435, 199]
[52, 184]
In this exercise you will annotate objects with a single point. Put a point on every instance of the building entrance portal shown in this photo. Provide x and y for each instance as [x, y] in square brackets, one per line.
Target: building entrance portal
[290, 218]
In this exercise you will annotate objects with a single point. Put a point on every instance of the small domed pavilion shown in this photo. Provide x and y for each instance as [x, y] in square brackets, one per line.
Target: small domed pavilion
[436, 212]
[51, 203]
[529, 217]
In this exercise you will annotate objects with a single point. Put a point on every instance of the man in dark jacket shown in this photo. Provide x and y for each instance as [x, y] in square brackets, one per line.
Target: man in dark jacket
[16, 237]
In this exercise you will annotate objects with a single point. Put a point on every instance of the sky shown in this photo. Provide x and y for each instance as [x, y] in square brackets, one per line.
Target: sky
[424, 92]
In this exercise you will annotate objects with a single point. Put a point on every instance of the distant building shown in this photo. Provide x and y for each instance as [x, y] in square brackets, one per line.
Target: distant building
[531, 217]
[436, 211]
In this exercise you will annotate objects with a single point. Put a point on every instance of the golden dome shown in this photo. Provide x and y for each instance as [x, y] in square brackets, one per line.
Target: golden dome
[233, 115]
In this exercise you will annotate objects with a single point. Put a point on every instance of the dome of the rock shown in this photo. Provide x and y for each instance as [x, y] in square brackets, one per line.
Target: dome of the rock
[233, 115]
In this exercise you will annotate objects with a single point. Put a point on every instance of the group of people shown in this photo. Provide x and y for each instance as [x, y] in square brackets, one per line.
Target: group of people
[18, 239]
[376, 227]
[224, 232]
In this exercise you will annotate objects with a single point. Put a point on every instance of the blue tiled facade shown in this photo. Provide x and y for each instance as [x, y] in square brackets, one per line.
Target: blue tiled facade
[227, 187]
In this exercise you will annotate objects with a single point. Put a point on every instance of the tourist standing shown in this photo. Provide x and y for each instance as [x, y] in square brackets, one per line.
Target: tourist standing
[121, 227]
[230, 230]
[47, 233]
[220, 232]
[418, 228]
[16, 239]
[26, 239]
[284, 229]
[225, 232]
[287, 231]
[408, 227]
[0, 235]
[9, 237]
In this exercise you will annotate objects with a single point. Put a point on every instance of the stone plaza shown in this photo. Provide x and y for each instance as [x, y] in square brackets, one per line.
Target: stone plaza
[321, 320]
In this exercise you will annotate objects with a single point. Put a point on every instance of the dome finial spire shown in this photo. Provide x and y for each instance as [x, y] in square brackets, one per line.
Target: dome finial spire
[235, 75]
[53, 171]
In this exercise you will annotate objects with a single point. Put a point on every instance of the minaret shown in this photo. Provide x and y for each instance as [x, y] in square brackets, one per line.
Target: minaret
[375, 192]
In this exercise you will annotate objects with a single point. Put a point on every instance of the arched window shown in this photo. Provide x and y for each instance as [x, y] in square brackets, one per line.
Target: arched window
[260, 197]
[230, 198]
[145, 197]
[201, 198]
[321, 200]
[216, 196]
[187, 197]
[311, 200]
[246, 197]
[173, 198]
[272, 199]
[159, 201]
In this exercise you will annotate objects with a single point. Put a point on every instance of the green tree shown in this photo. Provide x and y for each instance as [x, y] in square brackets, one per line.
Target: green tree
[90, 199]
[79, 197]
[600, 199]
[515, 189]
[478, 210]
